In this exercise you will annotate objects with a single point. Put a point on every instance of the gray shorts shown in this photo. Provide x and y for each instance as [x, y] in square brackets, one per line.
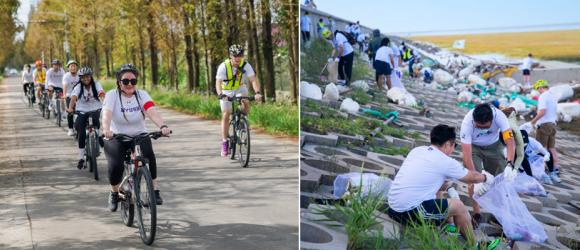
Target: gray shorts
[489, 157]
[227, 105]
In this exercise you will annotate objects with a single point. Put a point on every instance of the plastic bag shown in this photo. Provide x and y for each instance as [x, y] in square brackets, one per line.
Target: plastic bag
[311, 91]
[506, 82]
[503, 202]
[401, 97]
[464, 73]
[442, 77]
[525, 184]
[567, 111]
[371, 184]
[538, 167]
[349, 106]
[361, 85]
[330, 92]
[332, 68]
[562, 92]
[475, 79]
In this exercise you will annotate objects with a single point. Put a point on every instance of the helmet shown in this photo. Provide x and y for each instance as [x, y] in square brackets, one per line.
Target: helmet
[127, 68]
[326, 33]
[71, 62]
[541, 84]
[236, 50]
[38, 63]
[55, 61]
[85, 71]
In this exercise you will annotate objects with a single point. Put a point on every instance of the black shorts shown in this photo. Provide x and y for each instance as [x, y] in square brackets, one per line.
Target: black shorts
[382, 68]
[430, 211]
[526, 72]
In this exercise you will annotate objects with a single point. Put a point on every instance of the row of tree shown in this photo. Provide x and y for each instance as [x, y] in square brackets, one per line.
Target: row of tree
[177, 43]
[9, 26]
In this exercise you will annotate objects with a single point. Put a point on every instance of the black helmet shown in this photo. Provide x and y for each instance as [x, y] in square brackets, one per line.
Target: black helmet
[55, 61]
[85, 71]
[236, 50]
[127, 68]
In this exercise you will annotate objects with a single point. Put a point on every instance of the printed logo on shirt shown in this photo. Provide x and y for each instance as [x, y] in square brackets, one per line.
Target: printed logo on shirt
[130, 110]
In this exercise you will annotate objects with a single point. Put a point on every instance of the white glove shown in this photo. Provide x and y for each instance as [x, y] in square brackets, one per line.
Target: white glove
[330, 59]
[336, 59]
[481, 188]
[452, 193]
[547, 157]
[510, 172]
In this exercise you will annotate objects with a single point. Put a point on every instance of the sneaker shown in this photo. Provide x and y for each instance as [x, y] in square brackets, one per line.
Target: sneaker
[158, 198]
[547, 180]
[554, 177]
[113, 201]
[49, 106]
[451, 229]
[81, 164]
[70, 132]
[225, 148]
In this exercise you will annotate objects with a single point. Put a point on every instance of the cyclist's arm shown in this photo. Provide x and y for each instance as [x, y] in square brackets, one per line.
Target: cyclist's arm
[155, 116]
[106, 121]
[64, 87]
[73, 102]
[218, 86]
[255, 83]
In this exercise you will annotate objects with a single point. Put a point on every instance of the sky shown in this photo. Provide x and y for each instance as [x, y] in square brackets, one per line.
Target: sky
[23, 11]
[425, 17]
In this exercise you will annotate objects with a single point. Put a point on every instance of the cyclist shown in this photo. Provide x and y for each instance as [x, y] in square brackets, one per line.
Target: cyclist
[85, 97]
[230, 78]
[27, 80]
[39, 77]
[124, 111]
[54, 80]
[69, 80]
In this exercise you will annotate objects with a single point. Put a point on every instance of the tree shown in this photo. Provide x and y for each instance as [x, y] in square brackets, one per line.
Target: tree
[267, 50]
[151, 29]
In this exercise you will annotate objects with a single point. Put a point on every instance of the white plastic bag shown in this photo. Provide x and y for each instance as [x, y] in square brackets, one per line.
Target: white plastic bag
[361, 85]
[506, 82]
[368, 182]
[526, 184]
[465, 96]
[503, 202]
[401, 97]
[567, 111]
[442, 77]
[332, 68]
[562, 92]
[349, 106]
[475, 79]
[330, 92]
[464, 73]
[311, 91]
[538, 167]
[519, 105]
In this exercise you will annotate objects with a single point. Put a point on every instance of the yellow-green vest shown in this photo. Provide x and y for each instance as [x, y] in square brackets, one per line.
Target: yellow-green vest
[233, 82]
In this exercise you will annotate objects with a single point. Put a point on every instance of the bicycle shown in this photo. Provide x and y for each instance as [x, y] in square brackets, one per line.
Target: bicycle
[43, 104]
[30, 95]
[130, 195]
[239, 132]
[57, 109]
[91, 143]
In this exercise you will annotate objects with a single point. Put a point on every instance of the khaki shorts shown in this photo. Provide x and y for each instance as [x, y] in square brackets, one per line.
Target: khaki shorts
[489, 157]
[227, 105]
[546, 135]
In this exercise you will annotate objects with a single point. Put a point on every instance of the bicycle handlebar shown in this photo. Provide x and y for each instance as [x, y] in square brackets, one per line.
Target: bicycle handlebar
[153, 135]
[236, 98]
[87, 113]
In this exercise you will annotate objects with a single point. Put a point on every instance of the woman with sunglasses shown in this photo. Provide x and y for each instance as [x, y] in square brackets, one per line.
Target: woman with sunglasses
[124, 112]
[85, 97]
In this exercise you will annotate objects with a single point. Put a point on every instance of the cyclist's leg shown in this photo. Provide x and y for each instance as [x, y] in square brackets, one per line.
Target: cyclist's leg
[226, 107]
[114, 151]
[243, 91]
[81, 124]
[147, 151]
[69, 116]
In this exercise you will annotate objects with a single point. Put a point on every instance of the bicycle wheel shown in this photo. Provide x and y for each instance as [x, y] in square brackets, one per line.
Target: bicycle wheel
[46, 106]
[41, 106]
[88, 153]
[57, 113]
[127, 203]
[94, 152]
[146, 205]
[232, 140]
[244, 142]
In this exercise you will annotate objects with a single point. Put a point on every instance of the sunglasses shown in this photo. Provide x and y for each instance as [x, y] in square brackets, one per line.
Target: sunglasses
[127, 81]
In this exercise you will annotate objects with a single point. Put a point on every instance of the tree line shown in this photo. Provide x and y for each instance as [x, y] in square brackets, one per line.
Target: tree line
[175, 43]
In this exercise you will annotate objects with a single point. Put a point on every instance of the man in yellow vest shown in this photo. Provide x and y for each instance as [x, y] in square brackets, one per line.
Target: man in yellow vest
[39, 76]
[230, 81]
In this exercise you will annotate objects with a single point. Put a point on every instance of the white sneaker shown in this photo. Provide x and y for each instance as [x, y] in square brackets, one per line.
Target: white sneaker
[70, 132]
[547, 180]
[554, 177]
[49, 106]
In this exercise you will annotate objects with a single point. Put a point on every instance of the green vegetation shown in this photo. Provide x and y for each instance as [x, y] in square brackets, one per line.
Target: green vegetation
[313, 58]
[359, 96]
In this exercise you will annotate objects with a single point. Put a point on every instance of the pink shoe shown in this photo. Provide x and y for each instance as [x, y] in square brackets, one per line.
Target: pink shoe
[225, 148]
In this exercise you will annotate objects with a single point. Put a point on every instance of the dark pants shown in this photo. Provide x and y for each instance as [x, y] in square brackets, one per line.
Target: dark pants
[69, 116]
[115, 151]
[526, 165]
[26, 87]
[345, 67]
[411, 62]
[81, 124]
[305, 36]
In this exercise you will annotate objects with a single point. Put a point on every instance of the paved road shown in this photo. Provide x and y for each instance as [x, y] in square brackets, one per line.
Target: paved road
[210, 202]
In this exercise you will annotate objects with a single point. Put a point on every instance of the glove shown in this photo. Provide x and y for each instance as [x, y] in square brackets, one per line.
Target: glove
[547, 157]
[452, 193]
[330, 59]
[336, 59]
[510, 172]
[481, 188]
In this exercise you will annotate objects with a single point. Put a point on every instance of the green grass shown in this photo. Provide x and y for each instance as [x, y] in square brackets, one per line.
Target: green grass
[274, 118]
[359, 96]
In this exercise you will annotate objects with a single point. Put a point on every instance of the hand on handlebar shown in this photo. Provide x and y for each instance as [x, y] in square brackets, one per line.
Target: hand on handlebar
[108, 134]
[69, 110]
[165, 131]
[258, 97]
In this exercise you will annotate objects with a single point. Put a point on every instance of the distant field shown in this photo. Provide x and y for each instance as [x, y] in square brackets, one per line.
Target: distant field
[561, 45]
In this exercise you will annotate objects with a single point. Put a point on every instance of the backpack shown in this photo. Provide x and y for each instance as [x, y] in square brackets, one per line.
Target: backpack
[348, 36]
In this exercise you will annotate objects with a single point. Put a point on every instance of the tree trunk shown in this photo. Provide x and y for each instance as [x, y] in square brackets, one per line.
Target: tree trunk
[152, 46]
[142, 56]
[188, 51]
[96, 68]
[292, 40]
[206, 50]
[255, 43]
[267, 50]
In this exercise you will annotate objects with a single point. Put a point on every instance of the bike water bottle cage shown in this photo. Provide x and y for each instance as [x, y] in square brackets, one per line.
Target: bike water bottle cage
[233, 81]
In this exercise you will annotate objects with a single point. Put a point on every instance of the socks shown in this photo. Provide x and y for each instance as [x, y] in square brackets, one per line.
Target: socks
[81, 153]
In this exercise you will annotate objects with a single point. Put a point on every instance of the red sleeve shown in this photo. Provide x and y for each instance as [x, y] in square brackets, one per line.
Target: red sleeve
[148, 105]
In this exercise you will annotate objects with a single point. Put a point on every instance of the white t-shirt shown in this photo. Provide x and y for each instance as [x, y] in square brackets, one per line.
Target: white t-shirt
[384, 54]
[483, 137]
[348, 28]
[305, 23]
[420, 177]
[341, 39]
[548, 101]
[69, 81]
[27, 76]
[87, 102]
[54, 78]
[527, 63]
[361, 38]
[135, 123]
[355, 29]
[396, 55]
[223, 75]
